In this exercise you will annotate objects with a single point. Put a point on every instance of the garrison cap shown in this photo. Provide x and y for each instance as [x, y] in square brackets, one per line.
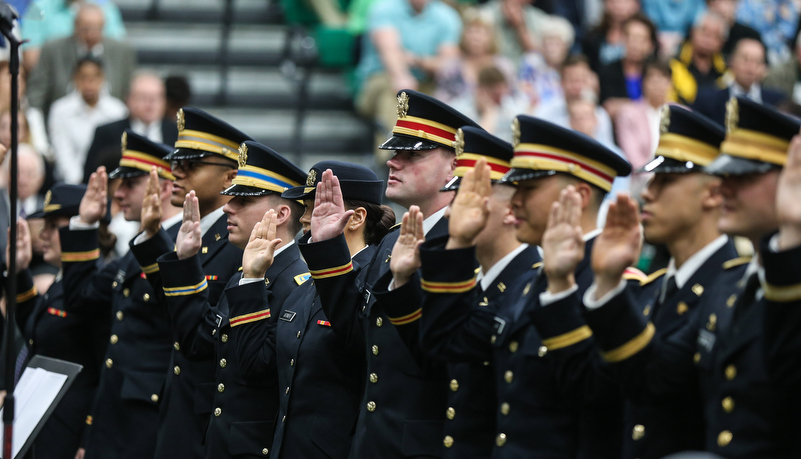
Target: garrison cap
[424, 123]
[757, 138]
[543, 148]
[139, 154]
[262, 171]
[357, 182]
[472, 144]
[62, 199]
[201, 135]
[688, 141]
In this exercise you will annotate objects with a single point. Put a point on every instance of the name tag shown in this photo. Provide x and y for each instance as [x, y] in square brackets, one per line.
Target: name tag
[120, 276]
[287, 316]
[706, 340]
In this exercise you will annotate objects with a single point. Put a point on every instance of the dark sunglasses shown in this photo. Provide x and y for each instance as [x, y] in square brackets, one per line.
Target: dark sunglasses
[187, 165]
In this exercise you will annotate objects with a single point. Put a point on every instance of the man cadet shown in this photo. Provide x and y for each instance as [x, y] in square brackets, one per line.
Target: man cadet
[204, 163]
[124, 415]
[681, 207]
[245, 405]
[528, 342]
[470, 429]
[723, 349]
[402, 412]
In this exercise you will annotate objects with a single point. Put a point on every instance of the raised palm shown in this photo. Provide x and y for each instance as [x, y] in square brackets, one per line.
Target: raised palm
[93, 205]
[618, 246]
[470, 209]
[189, 240]
[260, 251]
[562, 243]
[329, 216]
[151, 205]
[788, 206]
[405, 258]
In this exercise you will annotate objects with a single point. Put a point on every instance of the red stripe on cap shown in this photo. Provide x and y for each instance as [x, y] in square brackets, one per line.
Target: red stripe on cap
[425, 128]
[472, 162]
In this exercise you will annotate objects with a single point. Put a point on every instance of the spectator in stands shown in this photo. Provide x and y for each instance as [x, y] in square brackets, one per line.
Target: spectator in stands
[146, 104]
[727, 9]
[605, 43]
[637, 123]
[786, 77]
[539, 72]
[493, 104]
[775, 20]
[700, 62]
[75, 117]
[46, 20]
[673, 20]
[405, 44]
[50, 79]
[457, 78]
[747, 65]
[578, 82]
[583, 15]
[621, 81]
[179, 94]
[517, 26]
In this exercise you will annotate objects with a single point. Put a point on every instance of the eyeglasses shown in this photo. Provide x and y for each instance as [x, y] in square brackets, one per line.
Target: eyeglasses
[187, 165]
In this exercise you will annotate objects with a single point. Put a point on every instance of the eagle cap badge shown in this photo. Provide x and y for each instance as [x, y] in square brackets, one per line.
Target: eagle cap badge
[458, 142]
[732, 114]
[243, 155]
[180, 119]
[403, 104]
[515, 132]
[664, 119]
[124, 141]
[311, 178]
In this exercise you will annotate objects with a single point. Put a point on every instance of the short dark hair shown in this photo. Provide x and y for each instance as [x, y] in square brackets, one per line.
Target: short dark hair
[490, 76]
[88, 60]
[657, 65]
[644, 20]
[574, 60]
[177, 90]
[379, 221]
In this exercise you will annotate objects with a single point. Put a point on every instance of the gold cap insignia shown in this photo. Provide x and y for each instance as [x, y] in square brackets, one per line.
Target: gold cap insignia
[403, 104]
[732, 114]
[458, 142]
[124, 141]
[243, 155]
[311, 178]
[515, 132]
[180, 120]
[48, 197]
[664, 119]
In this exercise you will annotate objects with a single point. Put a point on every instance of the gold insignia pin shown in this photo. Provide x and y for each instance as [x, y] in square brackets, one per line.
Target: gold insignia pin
[204, 250]
[732, 299]
[527, 289]
[243, 155]
[124, 141]
[682, 308]
[664, 119]
[48, 197]
[311, 178]
[698, 289]
[217, 237]
[713, 320]
[732, 114]
[515, 132]
[458, 142]
[180, 119]
[501, 286]
[484, 302]
[647, 310]
[403, 104]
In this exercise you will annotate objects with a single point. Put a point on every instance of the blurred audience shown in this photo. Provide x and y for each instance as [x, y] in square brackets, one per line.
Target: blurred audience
[518, 25]
[637, 122]
[75, 117]
[405, 45]
[605, 44]
[747, 68]
[673, 19]
[700, 62]
[727, 9]
[786, 76]
[178, 93]
[775, 20]
[50, 79]
[45, 20]
[146, 107]
[579, 82]
[621, 80]
[493, 105]
[539, 71]
[457, 78]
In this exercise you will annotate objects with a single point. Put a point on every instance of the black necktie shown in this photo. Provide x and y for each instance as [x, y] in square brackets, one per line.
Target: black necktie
[748, 295]
[671, 287]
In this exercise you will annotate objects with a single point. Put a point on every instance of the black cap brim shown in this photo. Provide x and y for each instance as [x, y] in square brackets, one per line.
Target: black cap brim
[367, 191]
[69, 211]
[452, 185]
[725, 165]
[665, 165]
[518, 175]
[245, 191]
[299, 193]
[188, 153]
[126, 172]
[402, 142]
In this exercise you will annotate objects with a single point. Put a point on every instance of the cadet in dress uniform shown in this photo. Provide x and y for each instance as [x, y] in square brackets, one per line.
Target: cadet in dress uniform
[124, 414]
[403, 412]
[52, 331]
[319, 376]
[470, 429]
[723, 349]
[541, 411]
[245, 404]
[688, 142]
[204, 163]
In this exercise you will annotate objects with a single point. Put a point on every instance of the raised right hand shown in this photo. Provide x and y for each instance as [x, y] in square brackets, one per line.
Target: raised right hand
[562, 244]
[329, 217]
[189, 238]
[260, 251]
[470, 209]
[151, 205]
[24, 248]
[94, 202]
[618, 246]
